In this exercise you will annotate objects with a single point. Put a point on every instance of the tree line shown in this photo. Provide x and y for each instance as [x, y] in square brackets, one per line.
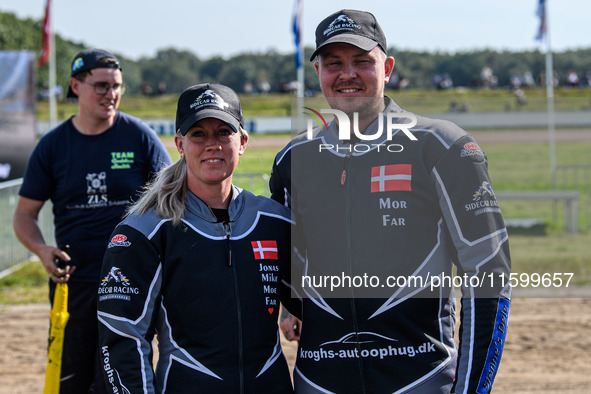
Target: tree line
[171, 70]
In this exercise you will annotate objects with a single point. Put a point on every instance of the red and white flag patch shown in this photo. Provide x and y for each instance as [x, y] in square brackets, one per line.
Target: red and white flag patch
[265, 250]
[391, 177]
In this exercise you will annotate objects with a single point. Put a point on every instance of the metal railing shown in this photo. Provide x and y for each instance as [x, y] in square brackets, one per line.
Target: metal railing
[577, 177]
[257, 183]
[12, 252]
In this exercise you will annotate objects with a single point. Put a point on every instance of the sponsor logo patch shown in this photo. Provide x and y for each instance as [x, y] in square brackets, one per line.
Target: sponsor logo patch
[117, 275]
[341, 22]
[119, 240]
[471, 149]
[373, 346]
[483, 190]
[115, 285]
[209, 98]
[483, 200]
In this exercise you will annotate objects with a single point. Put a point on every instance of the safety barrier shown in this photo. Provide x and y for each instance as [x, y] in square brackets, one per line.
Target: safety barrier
[570, 198]
[12, 252]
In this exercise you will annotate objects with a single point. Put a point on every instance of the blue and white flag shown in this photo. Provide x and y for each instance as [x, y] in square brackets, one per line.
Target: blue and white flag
[297, 32]
[541, 12]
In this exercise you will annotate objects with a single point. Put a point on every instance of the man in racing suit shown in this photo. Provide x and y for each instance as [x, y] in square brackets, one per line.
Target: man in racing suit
[380, 224]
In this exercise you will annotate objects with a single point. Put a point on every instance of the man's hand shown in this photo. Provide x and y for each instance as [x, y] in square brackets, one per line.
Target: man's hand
[290, 325]
[26, 229]
[56, 264]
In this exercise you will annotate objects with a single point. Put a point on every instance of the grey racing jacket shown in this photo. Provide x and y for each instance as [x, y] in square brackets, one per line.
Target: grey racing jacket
[385, 229]
[210, 291]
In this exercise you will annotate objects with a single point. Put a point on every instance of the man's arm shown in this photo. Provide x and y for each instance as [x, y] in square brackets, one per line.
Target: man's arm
[476, 228]
[26, 229]
[289, 325]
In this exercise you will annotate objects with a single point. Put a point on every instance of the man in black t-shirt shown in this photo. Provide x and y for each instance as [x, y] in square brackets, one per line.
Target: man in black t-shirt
[90, 167]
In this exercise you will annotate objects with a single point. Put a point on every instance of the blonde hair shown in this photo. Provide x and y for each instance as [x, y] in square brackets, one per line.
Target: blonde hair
[166, 194]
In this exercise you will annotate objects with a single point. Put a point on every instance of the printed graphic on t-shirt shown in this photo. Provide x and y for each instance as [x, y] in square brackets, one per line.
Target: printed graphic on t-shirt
[122, 160]
[96, 189]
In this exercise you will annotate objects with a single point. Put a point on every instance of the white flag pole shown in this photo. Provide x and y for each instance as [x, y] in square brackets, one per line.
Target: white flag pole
[52, 83]
[298, 14]
[551, 116]
[545, 33]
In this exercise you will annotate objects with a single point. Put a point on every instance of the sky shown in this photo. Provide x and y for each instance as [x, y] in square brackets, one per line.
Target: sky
[227, 27]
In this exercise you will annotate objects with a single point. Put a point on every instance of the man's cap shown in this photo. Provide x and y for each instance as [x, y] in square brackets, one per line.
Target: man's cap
[208, 100]
[359, 28]
[88, 60]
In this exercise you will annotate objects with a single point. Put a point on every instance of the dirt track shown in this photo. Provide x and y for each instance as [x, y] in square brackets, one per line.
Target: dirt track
[547, 349]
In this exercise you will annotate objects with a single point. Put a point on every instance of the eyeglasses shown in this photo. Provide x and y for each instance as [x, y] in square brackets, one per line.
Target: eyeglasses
[101, 88]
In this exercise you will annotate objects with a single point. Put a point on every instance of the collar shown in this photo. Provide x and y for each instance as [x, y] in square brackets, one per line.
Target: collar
[196, 206]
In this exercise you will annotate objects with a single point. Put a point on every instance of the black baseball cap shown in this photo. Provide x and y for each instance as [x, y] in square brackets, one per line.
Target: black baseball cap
[208, 100]
[359, 28]
[88, 60]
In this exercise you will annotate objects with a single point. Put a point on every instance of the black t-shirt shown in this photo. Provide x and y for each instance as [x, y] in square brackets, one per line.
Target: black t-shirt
[91, 179]
[221, 215]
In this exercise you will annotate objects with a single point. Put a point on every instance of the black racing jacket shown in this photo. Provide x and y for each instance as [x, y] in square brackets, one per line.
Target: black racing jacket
[385, 229]
[210, 291]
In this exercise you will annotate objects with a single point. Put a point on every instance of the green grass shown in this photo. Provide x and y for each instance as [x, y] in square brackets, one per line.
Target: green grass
[556, 253]
[27, 285]
[423, 101]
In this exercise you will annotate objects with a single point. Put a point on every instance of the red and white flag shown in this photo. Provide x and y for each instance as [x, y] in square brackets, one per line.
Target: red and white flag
[391, 177]
[264, 250]
[45, 36]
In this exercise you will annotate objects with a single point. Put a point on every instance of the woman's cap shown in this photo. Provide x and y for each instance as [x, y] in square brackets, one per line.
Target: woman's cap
[208, 100]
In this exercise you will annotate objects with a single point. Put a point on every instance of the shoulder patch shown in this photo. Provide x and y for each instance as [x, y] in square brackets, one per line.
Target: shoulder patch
[471, 149]
[119, 240]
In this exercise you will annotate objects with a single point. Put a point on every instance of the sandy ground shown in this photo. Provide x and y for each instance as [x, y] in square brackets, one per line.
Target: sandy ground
[547, 348]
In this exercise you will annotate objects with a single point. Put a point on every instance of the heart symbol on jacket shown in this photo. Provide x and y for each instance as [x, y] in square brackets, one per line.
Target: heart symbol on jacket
[270, 311]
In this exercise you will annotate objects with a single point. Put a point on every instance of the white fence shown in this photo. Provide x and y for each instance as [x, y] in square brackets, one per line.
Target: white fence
[470, 121]
[12, 252]
[570, 198]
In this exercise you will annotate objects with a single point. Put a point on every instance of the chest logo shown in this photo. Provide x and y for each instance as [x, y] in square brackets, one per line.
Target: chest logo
[394, 177]
[264, 250]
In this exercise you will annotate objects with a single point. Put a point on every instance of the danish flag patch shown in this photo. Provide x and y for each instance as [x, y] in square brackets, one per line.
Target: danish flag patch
[391, 177]
[265, 250]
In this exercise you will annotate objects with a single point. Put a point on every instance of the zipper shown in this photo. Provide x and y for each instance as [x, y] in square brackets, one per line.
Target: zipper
[238, 308]
[347, 184]
[228, 234]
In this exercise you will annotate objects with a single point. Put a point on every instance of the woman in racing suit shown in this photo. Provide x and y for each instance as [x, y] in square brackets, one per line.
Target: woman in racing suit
[201, 263]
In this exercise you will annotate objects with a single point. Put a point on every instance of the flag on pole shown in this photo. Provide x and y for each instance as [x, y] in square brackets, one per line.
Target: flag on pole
[296, 26]
[45, 36]
[541, 12]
